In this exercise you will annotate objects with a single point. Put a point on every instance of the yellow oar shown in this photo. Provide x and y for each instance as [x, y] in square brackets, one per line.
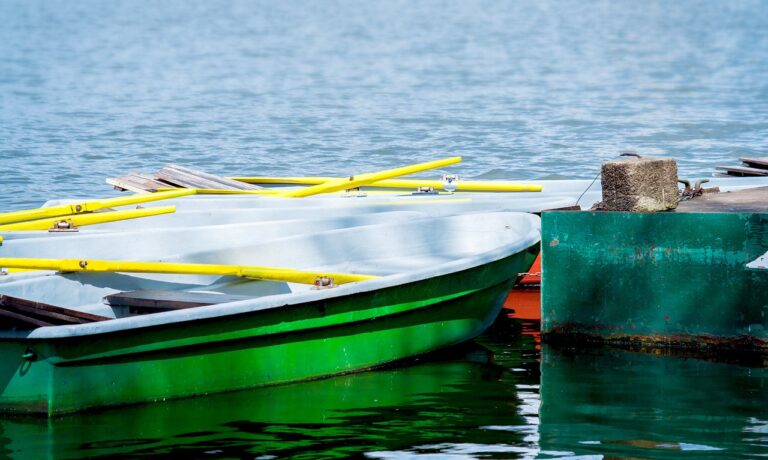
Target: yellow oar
[80, 220]
[365, 179]
[262, 273]
[464, 185]
[89, 206]
[273, 191]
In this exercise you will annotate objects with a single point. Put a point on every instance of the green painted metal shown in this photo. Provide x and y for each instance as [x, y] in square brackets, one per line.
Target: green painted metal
[662, 278]
[266, 347]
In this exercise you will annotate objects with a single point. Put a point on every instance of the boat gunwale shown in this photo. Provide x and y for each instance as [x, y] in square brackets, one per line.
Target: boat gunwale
[520, 243]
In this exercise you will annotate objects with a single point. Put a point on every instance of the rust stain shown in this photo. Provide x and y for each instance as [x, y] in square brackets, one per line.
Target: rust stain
[554, 243]
[655, 343]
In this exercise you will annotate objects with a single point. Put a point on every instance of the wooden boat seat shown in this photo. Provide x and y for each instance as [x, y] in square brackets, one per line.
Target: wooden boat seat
[156, 300]
[22, 313]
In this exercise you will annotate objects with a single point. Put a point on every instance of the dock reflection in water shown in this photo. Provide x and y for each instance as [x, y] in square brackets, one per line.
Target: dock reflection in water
[624, 404]
[477, 401]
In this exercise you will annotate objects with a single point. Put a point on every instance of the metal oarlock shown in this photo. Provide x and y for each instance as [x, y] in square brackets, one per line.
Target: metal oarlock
[450, 182]
[324, 282]
[63, 226]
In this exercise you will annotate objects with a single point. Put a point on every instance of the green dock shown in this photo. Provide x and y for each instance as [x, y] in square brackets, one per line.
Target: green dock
[676, 279]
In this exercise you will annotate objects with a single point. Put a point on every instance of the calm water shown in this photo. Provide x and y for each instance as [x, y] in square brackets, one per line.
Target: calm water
[531, 89]
[499, 399]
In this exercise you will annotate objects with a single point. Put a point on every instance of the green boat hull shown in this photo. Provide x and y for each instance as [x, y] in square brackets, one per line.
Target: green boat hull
[665, 279]
[258, 348]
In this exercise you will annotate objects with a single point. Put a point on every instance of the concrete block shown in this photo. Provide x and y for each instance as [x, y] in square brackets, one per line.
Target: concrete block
[640, 184]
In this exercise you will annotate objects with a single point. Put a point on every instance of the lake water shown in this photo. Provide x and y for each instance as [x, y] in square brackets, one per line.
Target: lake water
[500, 398]
[530, 89]
[522, 90]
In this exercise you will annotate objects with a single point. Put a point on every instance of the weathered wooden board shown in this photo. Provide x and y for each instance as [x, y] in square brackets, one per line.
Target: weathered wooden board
[743, 171]
[28, 312]
[754, 200]
[177, 176]
[14, 319]
[157, 300]
[137, 182]
[191, 178]
[759, 163]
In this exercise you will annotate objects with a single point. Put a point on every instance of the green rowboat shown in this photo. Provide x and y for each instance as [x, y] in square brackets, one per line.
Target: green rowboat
[440, 281]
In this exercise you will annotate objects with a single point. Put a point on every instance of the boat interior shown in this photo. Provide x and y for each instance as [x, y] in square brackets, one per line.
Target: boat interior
[378, 244]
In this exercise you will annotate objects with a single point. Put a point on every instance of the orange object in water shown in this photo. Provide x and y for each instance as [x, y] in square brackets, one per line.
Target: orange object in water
[525, 298]
[524, 303]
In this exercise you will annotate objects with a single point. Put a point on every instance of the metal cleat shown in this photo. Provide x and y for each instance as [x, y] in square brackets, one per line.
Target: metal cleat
[697, 190]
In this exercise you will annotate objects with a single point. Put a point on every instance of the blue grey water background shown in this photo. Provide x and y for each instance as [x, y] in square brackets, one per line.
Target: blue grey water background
[534, 89]
[522, 90]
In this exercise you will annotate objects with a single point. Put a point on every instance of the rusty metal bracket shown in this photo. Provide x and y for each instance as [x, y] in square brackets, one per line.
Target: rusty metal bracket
[697, 190]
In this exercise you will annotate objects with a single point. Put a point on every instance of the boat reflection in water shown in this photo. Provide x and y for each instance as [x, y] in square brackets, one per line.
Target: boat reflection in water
[419, 403]
[476, 401]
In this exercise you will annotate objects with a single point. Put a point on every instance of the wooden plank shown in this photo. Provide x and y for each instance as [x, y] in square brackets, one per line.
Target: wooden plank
[177, 176]
[758, 163]
[225, 181]
[187, 177]
[48, 312]
[179, 179]
[743, 171]
[19, 319]
[137, 182]
[155, 299]
[754, 200]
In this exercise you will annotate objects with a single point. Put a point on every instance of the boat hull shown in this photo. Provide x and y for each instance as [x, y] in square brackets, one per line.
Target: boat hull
[257, 348]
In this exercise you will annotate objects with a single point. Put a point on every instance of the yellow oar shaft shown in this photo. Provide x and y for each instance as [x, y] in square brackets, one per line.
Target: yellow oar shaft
[277, 191]
[81, 220]
[89, 206]
[364, 179]
[464, 185]
[102, 266]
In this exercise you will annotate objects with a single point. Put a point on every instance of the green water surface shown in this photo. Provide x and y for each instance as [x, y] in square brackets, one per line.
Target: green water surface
[499, 398]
